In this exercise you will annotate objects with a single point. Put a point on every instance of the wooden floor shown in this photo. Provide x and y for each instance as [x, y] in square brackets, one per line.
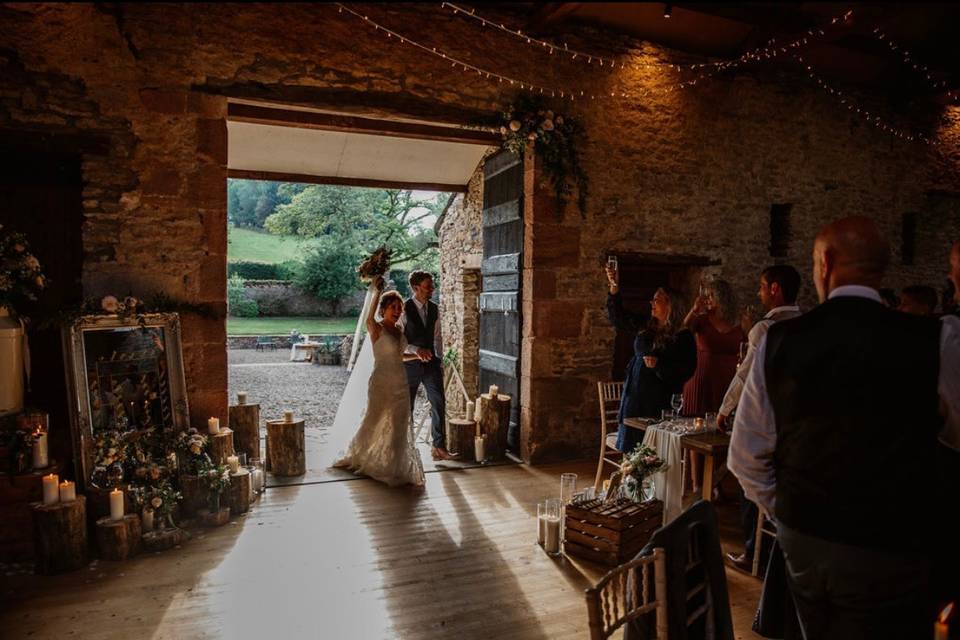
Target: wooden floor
[350, 559]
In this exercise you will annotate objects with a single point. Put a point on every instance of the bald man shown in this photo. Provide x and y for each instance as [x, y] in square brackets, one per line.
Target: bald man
[836, 437]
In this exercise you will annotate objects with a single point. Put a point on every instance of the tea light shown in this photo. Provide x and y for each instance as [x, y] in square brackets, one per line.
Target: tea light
[288, 416]
[116, 504]
[480, 448]
[51, 489]
[41, 459]
[698, 423]
[146, 517]
[234, 463]
[470, 408]
[213, 426]
[68, 491]
[241, 397]
[494, 390]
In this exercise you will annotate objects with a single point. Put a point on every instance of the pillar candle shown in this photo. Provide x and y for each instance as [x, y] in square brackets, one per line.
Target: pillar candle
[494, 390]
[480, 448]
[241, 397]
[213, 426]
[234, 463]
[51, 489]
[288, 416]
[68, 491]
[551, 538]
[146, 517]
[116, 504]
[941, 628]
[470, 407]
[41, 458]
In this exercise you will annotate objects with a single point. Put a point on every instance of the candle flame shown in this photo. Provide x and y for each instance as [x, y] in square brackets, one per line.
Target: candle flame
[945, 613]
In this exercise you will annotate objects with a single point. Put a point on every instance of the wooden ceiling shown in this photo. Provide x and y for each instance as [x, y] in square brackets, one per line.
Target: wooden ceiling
[850, 54]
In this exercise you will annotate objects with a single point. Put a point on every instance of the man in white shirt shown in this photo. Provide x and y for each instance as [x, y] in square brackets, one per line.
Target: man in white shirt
[835, 436]
[779, 287]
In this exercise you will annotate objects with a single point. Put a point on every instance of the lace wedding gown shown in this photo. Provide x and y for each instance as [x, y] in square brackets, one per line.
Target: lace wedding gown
[383, 447]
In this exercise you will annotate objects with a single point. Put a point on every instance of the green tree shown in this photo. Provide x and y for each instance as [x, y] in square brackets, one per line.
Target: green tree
[250, 202]
[238, 304]
[329, 271]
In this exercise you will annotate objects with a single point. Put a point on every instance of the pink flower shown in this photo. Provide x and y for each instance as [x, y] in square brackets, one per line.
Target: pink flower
[110, 304]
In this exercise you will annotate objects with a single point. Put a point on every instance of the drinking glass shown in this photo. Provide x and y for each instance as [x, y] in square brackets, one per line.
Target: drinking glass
[676, 401]
[710, 418]
[666, 414]
[568, 486]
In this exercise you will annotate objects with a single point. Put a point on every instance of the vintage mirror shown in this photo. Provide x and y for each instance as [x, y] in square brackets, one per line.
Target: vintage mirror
[128, 397]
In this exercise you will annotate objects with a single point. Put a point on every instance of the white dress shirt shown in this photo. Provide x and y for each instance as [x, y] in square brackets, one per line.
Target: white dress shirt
[759, 330]
[754, 438]
[437, 333]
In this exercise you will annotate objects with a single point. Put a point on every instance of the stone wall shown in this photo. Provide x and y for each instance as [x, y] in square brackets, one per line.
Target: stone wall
[281, 298]
[141, 89]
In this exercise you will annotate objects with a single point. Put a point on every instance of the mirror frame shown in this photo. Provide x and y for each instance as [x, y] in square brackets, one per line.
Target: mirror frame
[81, 424]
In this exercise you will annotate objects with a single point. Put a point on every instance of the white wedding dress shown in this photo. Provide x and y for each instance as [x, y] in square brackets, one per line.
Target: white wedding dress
[383, 446]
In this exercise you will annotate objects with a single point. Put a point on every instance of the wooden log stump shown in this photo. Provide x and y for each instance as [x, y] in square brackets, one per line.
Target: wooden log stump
[287, 447]
[245, 423]
[238, 495]
[221, 446]
[163, 539]
[119, 539]
[460, 435]
[194, 495]
[214, 518]
[60, 536]
[495, 423]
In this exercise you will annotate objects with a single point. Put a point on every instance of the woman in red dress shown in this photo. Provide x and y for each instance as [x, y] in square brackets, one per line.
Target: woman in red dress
[718, 334]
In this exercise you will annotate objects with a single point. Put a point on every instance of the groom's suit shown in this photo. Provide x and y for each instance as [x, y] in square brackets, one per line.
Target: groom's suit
[420, 326]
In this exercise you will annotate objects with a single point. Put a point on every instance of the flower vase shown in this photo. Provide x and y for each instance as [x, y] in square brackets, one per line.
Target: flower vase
[11, 363]
[213, 502]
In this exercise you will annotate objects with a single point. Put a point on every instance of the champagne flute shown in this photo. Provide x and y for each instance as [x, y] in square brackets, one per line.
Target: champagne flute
[676, 401]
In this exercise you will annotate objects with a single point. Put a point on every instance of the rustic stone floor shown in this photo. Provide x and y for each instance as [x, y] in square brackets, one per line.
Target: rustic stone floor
[346, 560]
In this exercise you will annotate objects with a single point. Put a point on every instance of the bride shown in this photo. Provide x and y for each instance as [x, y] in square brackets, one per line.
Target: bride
[383, 446]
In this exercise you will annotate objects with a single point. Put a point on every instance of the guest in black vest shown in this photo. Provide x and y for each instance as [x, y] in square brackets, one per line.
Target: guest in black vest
[836, 434]
[421, 326]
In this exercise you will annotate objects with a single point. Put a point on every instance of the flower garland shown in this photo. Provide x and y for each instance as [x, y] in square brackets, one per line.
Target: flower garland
[555, 140]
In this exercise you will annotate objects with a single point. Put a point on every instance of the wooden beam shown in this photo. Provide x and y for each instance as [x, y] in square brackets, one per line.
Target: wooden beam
[549, 13]
[275, 116]
[276, 176]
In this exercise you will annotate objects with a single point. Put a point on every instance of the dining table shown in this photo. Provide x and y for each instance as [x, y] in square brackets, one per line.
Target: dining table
[712, 443]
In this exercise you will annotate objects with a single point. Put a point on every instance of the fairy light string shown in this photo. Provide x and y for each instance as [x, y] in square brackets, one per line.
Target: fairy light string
[919, 67]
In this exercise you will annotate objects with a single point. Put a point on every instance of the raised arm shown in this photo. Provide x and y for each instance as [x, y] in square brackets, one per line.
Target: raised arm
[618, 316]
[696, 311]
[373, 327]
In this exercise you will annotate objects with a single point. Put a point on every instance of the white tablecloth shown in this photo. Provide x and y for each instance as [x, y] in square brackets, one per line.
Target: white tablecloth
[667, 485]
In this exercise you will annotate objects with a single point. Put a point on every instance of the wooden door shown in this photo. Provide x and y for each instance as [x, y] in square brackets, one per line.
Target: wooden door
[500, 323]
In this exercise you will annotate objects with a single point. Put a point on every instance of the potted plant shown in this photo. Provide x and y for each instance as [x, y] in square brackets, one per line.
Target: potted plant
[328, 352]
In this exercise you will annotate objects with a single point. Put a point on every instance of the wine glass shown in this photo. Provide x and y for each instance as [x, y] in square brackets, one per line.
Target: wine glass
[676, 401]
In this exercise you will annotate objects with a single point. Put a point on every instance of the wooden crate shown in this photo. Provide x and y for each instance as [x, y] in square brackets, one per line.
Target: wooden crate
[610, 533]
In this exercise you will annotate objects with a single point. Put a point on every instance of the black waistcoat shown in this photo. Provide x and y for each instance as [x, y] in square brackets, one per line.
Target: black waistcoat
[417, 333]
[853, 387]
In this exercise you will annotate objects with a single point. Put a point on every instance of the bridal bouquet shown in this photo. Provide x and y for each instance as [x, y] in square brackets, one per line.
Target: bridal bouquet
[376, 264]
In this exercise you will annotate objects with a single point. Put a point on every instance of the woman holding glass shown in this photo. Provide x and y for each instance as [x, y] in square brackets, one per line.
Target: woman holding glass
[664, 356]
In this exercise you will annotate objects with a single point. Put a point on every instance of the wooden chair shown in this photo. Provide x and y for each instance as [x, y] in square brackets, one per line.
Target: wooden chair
[758, 541]
[609, 394]
[623, 595]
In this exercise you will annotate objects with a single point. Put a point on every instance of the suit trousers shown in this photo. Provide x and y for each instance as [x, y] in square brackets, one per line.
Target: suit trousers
[843, 592]
[430, 375]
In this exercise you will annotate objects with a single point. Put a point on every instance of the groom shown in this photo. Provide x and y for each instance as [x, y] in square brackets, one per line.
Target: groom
[421, 326]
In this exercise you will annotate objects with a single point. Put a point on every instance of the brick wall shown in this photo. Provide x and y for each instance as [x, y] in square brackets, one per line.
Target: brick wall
[692, 171]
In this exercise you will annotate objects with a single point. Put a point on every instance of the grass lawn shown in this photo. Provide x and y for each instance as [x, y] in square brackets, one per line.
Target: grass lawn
[283, 325]
[259, 246]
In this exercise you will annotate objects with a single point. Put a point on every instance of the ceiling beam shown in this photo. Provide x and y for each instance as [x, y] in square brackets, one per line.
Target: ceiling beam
[550, 13]
[304, 178]
[275, 116]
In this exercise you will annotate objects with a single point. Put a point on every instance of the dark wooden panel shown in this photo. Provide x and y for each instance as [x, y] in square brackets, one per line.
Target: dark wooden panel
[503, 187]
[502, 213]
[500, 301]
[503, 239]
[500, 162]
[505, 282]
[500, 333]
[508, 263]
[499, 362]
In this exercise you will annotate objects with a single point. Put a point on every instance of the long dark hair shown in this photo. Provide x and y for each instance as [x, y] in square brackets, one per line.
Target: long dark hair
[664, 334]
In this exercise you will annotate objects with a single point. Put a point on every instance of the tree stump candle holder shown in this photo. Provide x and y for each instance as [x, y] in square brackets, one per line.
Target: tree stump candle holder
[214, 518]
[163, 539]
[460, 435]
[221, 446]
[245, 423]
[119, 539]
[238, 495]
[495, 423]
[60, 536]
[286, 447]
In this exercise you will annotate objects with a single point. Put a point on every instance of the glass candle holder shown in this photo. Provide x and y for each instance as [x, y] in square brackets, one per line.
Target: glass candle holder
[568, 486]
[551, 524]
[541, 526]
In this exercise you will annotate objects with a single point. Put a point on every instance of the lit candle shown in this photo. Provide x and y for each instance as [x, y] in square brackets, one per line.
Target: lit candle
[234, 463]
[51, 489]
[480, 448]
[41, 458]
[941, 628]
[213, 426]
[551, 537]
[241, 397]
[116, 504]
[494, 391]
[698, 423]
[146, 517]
[68, 491]
[470, 407]
[478, 414]
[288, 416]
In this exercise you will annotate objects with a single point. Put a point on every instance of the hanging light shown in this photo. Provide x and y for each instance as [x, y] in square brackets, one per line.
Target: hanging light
[667, 10]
